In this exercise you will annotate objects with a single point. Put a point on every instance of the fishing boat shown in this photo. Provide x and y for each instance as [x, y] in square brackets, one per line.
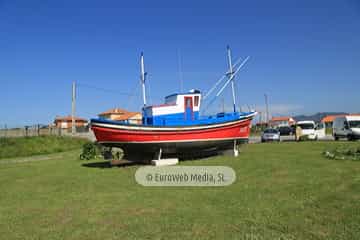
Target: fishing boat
[177, 127]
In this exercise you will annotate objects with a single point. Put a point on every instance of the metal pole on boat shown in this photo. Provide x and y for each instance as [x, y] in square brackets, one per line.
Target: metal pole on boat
[236, 151]
[230, 79]
[143, 74]
[231, 76]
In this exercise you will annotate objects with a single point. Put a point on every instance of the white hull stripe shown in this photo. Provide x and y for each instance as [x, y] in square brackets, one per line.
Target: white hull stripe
[131, 127]
[173, 141]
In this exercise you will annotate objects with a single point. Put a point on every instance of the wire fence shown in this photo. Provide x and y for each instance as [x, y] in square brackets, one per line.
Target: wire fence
[41, 130]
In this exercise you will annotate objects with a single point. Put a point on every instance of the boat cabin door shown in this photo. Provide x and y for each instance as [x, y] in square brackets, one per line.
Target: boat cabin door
[188, 108]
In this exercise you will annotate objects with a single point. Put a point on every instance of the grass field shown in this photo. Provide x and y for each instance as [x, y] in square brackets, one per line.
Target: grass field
[28, 146]
[282, 191]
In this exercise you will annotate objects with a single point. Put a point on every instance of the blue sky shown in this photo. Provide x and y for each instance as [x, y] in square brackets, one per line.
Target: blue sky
[304, 54]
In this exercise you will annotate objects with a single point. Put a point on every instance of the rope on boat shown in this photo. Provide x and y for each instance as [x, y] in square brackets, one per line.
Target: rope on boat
[226, 83]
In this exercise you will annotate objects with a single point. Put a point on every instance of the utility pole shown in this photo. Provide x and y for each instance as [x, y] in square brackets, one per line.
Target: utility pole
[73, 129]
[260, 117]
[267, 108]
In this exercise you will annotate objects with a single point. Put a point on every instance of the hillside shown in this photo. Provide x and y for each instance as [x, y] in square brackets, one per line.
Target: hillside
[317, 116]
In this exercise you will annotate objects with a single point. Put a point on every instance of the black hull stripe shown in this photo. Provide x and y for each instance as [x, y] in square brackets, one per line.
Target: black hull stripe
[173, 141]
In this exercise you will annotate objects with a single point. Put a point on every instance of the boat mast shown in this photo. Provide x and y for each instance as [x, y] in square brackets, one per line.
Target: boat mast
[142, 76]
[230, 74]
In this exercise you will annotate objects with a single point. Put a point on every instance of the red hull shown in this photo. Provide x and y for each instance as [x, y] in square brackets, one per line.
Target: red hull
[149, 139]
[110, 134]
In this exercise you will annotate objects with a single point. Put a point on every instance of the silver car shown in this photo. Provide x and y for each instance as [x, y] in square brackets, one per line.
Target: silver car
[270, 134]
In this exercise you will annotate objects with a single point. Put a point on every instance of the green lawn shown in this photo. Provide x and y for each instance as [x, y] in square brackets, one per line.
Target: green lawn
[28, 146]
[282, 191]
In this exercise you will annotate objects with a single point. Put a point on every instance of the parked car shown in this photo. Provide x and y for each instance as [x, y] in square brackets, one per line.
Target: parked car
[310, 130]
[346, 127]
[286, 131]
[270, 134]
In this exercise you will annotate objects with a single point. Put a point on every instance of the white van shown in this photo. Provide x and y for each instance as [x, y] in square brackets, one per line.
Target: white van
[311, 130]
[347, 127]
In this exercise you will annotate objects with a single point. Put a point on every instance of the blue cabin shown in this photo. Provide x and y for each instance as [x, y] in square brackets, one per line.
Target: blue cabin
[183, 109]
[178, 109]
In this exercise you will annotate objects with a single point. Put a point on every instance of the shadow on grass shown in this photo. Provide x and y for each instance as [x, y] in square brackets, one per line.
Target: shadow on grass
[138, 161]
[110, 164]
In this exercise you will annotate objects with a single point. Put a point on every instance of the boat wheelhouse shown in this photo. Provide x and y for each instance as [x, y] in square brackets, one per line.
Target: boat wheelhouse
[178, 109]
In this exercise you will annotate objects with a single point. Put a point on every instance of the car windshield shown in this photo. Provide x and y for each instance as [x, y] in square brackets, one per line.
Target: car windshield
[306, 126]
[270, 131]
[354, 124]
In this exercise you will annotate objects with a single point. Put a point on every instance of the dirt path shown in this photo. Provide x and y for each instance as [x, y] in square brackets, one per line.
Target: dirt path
[37, 158]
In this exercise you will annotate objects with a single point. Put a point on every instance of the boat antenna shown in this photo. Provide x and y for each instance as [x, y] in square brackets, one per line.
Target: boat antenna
[231, 76]
[143, 77]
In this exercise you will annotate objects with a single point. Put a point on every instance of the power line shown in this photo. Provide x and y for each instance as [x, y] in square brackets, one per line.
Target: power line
[104, 89]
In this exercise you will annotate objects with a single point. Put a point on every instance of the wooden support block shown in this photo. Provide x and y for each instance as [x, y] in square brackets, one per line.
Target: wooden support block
[165, 162]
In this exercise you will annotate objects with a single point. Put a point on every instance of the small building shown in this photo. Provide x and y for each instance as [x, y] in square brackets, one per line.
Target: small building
[66, 122]
[328, 120]
[119, 114]
[281, 121]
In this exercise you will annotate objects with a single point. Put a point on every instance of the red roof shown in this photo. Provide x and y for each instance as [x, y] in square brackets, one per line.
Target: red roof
[274, 119]
[126, 116]
[330, 118]
[69, 118]
[114, 111]
[120, 114]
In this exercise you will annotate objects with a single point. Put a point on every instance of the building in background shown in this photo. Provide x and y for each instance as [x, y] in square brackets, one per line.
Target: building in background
[328, 120]
[119, 114]
[281, 121]
[66, 122]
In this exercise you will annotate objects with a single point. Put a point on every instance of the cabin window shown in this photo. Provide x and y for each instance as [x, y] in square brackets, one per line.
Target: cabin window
[171, 99]
[196, 101]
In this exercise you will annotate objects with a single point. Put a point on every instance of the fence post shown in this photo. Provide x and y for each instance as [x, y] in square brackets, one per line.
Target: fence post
[5, 130]
[38, 130]
[26, 131]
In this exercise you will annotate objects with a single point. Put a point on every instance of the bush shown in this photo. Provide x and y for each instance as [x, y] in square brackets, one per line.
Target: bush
[90, 151]
[95, 150]
[343, 153]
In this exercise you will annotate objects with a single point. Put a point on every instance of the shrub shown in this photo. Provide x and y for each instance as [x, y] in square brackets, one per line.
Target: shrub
[343, 152]
[95, 150]
[90, 151]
